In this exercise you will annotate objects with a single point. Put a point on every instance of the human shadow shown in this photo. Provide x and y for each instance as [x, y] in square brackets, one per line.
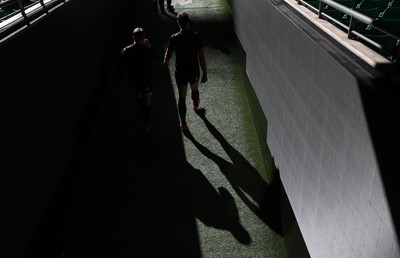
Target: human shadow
[214, 208]
[264, 199]
[139, 197]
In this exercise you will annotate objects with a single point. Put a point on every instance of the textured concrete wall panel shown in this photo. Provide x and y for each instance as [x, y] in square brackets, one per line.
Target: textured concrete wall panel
[318, 135]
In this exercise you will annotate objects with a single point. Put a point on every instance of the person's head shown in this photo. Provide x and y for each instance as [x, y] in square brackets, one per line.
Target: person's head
[183, 19]
[138, 35]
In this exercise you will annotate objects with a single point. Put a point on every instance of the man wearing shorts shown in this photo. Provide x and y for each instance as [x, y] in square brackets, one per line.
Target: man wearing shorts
[137, 62]
[189, 49]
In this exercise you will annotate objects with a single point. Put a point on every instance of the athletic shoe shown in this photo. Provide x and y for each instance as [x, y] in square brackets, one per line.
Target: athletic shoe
[196, 105]
[184, 127]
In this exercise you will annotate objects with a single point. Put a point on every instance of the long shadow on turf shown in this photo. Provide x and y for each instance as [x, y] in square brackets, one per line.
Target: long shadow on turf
[215, 208]
[244, 179]
[140, 197]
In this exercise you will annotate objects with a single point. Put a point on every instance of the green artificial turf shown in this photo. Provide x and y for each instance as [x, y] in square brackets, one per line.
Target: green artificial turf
[226, 145]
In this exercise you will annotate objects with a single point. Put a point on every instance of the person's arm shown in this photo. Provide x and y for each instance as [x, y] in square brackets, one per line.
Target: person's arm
[168, 55]
[203, 65]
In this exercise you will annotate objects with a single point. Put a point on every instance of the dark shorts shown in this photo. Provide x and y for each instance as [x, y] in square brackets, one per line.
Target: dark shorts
[185, 77]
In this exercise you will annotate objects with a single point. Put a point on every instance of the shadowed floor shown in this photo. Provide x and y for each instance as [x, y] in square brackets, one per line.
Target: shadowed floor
[208, 193]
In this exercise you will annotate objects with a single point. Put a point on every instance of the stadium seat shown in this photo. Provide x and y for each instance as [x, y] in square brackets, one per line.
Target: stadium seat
[342, 17]
[368, 4]
[394, 3]
[347, 3]
[314, 3]
[11, 8]
[385, 12]
[389, 45]
[370, 12]
[393, 25]
[3, 13]
[335, 14]
[387, 42]
[390, 13]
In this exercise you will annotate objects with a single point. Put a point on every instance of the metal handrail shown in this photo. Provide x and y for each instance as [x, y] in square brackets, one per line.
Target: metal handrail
[360, 17]
[353, 15]
[25, 15]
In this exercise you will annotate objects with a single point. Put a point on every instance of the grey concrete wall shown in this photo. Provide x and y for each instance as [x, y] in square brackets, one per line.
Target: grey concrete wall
[319, 133]
[53, 78]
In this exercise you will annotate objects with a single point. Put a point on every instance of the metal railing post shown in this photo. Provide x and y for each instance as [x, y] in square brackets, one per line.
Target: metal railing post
[320, 9]
[43, 5]
[22, 10]
[351, 27]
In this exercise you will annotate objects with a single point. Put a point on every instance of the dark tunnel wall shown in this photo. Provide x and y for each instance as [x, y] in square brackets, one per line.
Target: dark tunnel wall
[53, 78]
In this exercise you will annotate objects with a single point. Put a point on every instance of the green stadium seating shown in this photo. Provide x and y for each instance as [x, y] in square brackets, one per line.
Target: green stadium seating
[335, 14]
[314, 3]
[3, 13]
[386, 14]
[394, 3]
[393, 25]
[368, 4]
[389, 44]
[390, 13]
[12, 8]
[370, 12]
[347, 3]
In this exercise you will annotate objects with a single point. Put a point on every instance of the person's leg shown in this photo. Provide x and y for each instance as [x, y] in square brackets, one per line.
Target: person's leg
[195, 94]
[182, 83]
[194, 86]
[139, 92]
[182, 91]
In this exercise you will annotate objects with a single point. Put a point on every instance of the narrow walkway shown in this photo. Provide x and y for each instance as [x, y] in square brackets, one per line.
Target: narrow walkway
[163, 194]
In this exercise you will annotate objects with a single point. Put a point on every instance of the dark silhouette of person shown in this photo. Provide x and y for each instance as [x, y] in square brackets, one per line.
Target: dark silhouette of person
[137, 65]
[189, 48]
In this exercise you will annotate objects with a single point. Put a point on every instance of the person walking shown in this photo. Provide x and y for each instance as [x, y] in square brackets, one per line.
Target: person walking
[137, 67]
[169, 5]
[189, 48]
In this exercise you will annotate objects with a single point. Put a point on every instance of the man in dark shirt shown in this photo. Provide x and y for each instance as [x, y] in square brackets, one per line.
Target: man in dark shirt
[189, 49]
[137, 63]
